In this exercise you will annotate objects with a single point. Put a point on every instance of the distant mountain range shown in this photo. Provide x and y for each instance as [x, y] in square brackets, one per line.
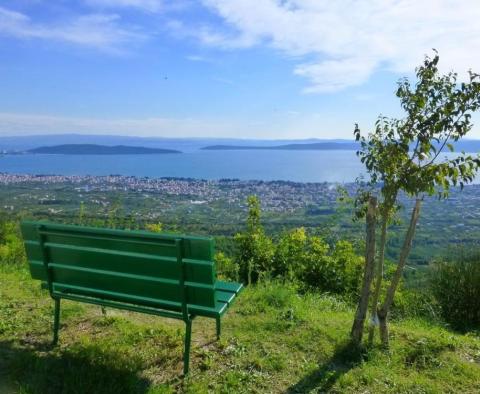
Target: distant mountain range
[313, 146]
[30, 143]
[93, 149]
[24, 143]
[471, 146]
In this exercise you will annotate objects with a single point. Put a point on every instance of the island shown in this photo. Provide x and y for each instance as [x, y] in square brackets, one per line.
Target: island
[314, 146]
[470, 146]
[92, 149]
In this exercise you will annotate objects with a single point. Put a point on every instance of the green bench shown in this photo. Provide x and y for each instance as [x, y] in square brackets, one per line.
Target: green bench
[160, 274]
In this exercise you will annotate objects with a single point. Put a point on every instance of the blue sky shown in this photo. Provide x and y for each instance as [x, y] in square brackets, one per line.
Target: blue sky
[220, 68]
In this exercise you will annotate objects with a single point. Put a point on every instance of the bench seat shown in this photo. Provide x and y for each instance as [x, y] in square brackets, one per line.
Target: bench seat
[231, 287]
[224, 298]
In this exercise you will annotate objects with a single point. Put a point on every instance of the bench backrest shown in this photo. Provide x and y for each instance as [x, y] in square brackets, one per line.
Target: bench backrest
[138, 267]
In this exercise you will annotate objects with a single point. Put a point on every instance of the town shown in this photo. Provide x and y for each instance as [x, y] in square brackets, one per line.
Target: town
[219, 207]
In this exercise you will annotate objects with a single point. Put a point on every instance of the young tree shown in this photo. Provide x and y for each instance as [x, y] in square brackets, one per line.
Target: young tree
[403, 155]
[255, 249]
[362, 308]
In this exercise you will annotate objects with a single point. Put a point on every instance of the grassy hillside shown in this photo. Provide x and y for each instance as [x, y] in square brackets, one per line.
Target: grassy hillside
[273, 341]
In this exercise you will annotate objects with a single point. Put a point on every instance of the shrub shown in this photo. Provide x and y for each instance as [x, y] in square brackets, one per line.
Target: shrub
[348, 267]
[298, 257]
[154, 227]
[254, 249]
[290, 254]
[334, 271]
[254, 255]
[418, 303]
[226, 267]
[310, 261]
[456, 287]
[12, 250]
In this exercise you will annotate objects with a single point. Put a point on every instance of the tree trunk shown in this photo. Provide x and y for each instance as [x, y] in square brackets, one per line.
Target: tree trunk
[407, 246]
[379, 278]
[383, 327]
[361, 313]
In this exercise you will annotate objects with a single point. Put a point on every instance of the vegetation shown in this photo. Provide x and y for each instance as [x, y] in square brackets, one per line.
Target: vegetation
[273, 341]
[220, 210]
[456, 287]
[403, 155]
[254, 249]
[297, 257]
[12, 250]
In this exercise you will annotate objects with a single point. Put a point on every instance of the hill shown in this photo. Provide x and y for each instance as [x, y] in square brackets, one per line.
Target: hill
[273, 341]
[467, 146]
[310, 146]
[92, 149]
[23, 143]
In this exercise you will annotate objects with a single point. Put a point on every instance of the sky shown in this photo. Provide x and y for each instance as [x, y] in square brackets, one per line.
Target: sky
[271, 69]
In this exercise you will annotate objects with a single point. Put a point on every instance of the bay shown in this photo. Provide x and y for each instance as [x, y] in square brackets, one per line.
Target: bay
[299, 166]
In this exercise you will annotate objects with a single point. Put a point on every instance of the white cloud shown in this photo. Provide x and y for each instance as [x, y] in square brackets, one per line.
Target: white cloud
[333, 75]
[349, 40]
[99, 31]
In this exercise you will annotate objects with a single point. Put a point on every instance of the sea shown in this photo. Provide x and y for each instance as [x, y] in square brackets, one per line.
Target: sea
[336, 166]
[298, 166]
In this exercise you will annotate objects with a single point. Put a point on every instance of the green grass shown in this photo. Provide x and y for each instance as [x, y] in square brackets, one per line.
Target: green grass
[273, 341]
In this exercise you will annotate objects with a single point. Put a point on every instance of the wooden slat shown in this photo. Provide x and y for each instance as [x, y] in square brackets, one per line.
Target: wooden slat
[137, 285]
[219, 309]
[226, 297]
[232, 287]
[125, 263]
[113, 260]
[121, 305]
[134, 263]
[200, 248]
[61, 289]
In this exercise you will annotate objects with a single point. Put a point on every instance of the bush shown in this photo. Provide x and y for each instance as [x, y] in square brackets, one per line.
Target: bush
[416, 303]
[254, 256]
[337, 270]
[313, 264]
[297, 257]
[12, 250]
[456, 287]
[226, 267]
[254, 249]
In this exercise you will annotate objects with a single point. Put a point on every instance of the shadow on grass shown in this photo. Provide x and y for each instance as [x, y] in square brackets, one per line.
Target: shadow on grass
[39, 368]
[346, 357]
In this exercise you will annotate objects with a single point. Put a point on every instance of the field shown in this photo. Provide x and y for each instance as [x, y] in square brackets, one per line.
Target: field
[273, 341]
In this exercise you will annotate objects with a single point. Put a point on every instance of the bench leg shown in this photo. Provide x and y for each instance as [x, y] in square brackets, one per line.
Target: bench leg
[218, 327]
[188, 341]
[104, 311]
[56, 321]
